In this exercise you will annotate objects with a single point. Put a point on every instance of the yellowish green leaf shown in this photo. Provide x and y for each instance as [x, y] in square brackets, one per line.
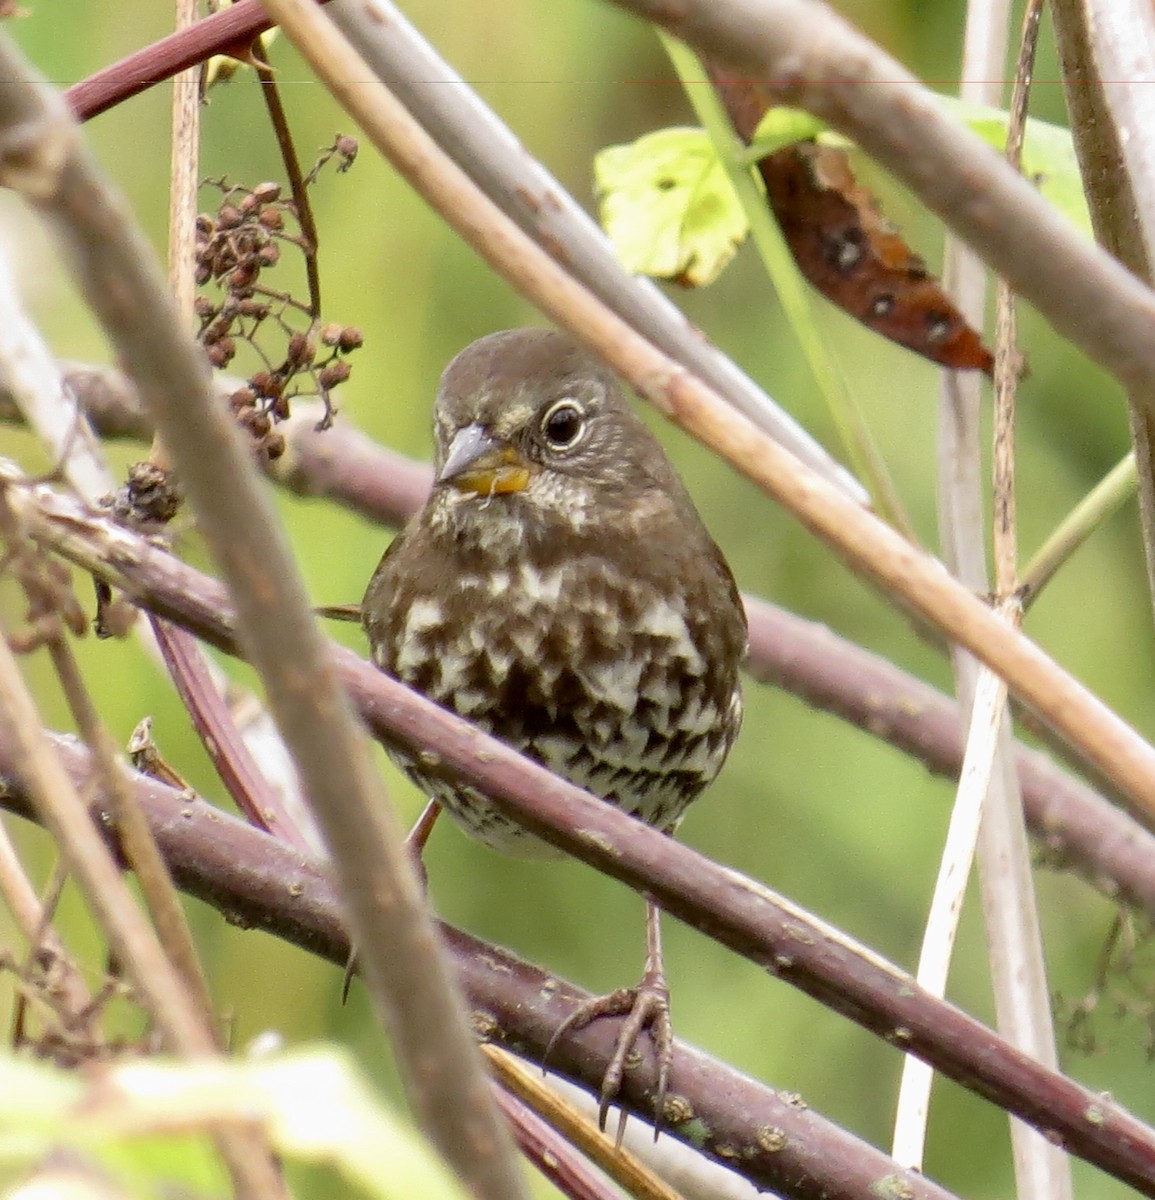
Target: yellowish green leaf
[668, 207]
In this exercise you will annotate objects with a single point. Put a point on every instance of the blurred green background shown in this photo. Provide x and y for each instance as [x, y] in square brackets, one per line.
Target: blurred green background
[819, 811]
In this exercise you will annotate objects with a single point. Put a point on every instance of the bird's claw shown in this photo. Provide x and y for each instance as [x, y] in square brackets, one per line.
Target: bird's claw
[645, 1007]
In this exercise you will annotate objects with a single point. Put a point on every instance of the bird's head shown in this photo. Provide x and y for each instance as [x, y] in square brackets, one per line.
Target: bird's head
[529, 425]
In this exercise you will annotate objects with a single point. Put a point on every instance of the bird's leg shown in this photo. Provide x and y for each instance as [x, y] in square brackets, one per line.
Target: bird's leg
[415, 844]
[646, 1006]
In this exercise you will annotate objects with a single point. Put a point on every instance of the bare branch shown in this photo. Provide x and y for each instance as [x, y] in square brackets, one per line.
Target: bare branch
[235, 764]
[240, 23]
[46, 952]
[1104, 47]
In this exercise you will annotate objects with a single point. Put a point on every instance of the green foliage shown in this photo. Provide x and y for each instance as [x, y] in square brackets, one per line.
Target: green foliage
[148, 1123]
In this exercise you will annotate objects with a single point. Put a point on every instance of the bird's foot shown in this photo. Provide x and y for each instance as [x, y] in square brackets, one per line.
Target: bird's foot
[645, 1007]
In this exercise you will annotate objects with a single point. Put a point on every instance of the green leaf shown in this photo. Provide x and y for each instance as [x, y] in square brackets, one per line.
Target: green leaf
[149, 1121]
[668, 206]
[782, 127]
[1049, 159]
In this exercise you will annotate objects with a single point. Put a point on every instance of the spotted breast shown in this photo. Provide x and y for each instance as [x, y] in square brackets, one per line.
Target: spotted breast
[559, 590]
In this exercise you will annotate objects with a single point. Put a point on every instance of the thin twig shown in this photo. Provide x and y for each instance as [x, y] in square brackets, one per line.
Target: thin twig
[238, 770]
[184, 175]
[193, 666]
[271, 92]
[1093, 511]
[1009, 909]
[41, 394]
[1007, 357]
[1019, 973]
[555, 1159]
[44, 945]
[135, 836]
[241, 23]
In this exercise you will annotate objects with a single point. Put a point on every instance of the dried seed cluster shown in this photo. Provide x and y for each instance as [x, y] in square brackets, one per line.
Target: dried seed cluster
[234, 247]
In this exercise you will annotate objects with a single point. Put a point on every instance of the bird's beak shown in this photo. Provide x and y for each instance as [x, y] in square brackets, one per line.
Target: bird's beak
[479, 462]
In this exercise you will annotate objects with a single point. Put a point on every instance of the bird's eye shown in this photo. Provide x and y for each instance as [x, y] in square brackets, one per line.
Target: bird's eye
[563, 425]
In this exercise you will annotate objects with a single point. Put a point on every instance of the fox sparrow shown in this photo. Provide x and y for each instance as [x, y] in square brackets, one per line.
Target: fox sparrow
[559, 590]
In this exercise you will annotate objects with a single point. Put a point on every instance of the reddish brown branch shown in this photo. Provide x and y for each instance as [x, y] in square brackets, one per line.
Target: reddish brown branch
[231, 28]
[243, 779]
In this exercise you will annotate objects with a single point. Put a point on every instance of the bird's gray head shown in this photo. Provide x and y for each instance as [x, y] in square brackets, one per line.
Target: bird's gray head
[529, 421]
